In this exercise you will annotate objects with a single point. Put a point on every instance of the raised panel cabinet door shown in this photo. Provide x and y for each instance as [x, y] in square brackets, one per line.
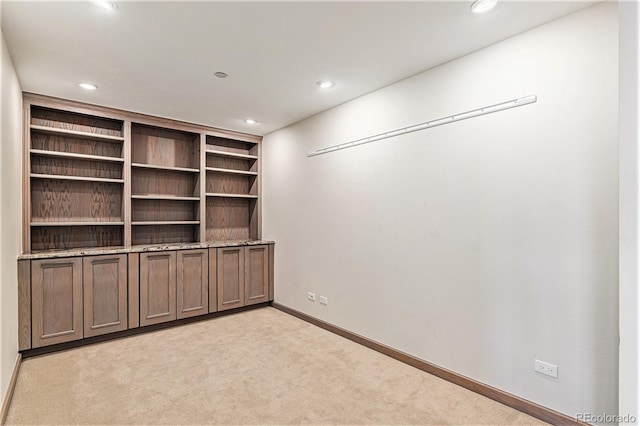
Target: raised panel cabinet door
[230, 278]
[157, 287]
[193, 283]
[56, 292]
[256, 276]
[105, 294]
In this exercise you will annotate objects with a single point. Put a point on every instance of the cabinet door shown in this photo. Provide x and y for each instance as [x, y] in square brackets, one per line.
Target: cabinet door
[230, 278]
[105, 294]
[193, 283]
[256, 284]
[157, 287]
[56, 292]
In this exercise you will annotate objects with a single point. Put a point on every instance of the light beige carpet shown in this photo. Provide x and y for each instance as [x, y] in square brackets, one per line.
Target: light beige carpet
[255, 367]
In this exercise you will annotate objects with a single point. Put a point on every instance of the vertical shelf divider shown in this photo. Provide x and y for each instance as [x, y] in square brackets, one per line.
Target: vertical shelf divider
[26, 180]
[126, 173]
[202, 213]
[256, 189]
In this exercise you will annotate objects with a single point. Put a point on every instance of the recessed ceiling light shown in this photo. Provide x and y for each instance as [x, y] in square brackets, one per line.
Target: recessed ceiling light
[482, 6]
[221, 74]
[106, 4]
[326, 84]
[250, 121]
[88, 86]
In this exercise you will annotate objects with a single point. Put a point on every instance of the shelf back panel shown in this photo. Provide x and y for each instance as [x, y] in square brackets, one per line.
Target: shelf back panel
[164, 234]
[162, 182]
[75, 146]
[155, 210]
[75, 167]
[228, 184]
[228, 219]
[229, 163]
[73, 121]
[164, 147]
[229, 145]
[70, 237]
[75, 201]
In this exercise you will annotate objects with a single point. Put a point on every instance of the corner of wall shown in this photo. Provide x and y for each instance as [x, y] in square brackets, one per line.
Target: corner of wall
[629, 131]
[10, 211]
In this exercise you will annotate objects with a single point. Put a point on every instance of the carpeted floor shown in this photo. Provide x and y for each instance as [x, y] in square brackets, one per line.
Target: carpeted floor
[255, 367]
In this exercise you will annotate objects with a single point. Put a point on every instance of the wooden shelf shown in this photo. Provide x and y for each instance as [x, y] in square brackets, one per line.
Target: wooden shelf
[217, 194]
[231, 171]
[231, 154]
[80, 178]
[76, 223]
[72, 155]
[167, 168]
[164, 197]
[75, 133]
[166, 222]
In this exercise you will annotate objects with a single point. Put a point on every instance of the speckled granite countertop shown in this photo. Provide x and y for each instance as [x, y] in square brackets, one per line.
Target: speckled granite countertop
[96, 251]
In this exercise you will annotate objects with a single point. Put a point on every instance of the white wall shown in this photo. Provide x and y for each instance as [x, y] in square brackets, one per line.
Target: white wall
[480, 245]
[629, 48]
[10, 214]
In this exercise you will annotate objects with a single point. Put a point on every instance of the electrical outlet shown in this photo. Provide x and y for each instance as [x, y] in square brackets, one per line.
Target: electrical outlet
[545, 368]
[312, 296]
[323, 300]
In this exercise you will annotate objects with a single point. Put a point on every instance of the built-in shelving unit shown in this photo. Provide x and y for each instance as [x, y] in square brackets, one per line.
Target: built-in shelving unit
[76, 172]
[165, 185]
[232, 189]
[98, 177]
[131, 220]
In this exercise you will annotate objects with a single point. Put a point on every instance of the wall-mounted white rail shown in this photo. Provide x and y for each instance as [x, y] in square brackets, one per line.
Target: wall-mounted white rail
[431, 123]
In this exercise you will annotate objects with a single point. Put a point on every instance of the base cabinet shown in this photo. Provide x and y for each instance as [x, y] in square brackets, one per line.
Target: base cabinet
[56, 289]
[243, 276]
[62, 299]
[173, 285]
[105, 294]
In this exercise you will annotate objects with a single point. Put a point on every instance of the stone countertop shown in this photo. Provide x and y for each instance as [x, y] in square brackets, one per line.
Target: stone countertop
[96, 251]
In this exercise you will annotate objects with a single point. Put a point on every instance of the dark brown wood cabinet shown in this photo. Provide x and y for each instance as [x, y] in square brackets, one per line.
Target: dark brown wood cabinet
[105, 294]
[56, 291]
